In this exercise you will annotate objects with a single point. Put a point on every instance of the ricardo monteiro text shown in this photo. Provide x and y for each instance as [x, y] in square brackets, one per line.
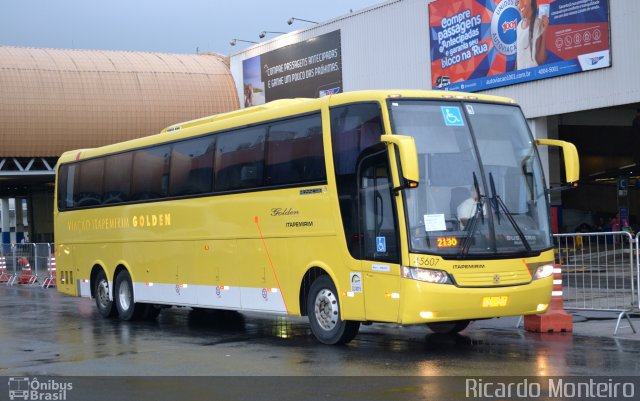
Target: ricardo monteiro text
[556, 388]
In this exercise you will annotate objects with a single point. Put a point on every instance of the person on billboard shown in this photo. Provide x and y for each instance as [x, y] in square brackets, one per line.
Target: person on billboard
[248, 95]
[531, 32]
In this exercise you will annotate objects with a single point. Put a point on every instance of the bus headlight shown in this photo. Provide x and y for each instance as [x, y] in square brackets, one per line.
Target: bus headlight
[543, 271]
[426, 275]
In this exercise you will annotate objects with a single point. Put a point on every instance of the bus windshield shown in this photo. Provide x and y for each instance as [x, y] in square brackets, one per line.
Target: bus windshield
[482, 191]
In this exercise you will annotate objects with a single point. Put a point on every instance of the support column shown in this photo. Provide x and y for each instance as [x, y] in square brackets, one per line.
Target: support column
[6, 221]
[547, 128]
[19, 221]
[539, 130]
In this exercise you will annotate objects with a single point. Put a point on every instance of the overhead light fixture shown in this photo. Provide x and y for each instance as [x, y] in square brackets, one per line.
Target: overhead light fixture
[233, 41]
[290, 20]
[264, 33]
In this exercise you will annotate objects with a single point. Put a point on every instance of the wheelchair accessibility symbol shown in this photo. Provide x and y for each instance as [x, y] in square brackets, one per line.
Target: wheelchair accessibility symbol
[381, 245]
[452, 116]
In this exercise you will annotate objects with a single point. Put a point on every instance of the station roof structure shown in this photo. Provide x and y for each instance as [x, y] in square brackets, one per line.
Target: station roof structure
[53, 100]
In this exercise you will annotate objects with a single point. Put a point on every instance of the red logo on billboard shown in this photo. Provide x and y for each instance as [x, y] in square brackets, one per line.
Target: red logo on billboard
[509, 25]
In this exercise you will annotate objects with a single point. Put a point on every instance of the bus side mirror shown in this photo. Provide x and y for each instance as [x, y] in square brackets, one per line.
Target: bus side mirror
[571, 161]
[406, 146]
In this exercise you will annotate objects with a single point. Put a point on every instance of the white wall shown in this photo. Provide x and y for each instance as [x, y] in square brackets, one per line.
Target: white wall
[387, 46]
[384, 46]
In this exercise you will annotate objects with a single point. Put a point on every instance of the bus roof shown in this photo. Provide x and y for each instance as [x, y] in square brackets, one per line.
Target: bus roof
[268, 111]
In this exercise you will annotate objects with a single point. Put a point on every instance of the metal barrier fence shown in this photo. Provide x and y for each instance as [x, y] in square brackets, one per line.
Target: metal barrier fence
[599, 272]
[27, 264]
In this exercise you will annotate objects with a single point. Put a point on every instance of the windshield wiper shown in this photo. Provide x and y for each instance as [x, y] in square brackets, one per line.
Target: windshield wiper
[494, 197]
[498, 203]
[473, 221]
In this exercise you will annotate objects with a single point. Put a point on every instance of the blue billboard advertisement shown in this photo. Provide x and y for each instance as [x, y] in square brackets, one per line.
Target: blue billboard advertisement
[484, 44]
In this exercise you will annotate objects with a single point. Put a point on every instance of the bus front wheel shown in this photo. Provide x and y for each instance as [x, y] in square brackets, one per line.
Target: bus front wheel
[101, 294]
[323, 307]
[128, 309]
[448, 327]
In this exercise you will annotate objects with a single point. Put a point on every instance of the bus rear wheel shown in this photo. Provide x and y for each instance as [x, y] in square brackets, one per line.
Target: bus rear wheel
[101, 294]
[323, 307]
[128, 309]
[448, 327]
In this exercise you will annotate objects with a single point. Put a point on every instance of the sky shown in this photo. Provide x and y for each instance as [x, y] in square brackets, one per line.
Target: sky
[172, 26]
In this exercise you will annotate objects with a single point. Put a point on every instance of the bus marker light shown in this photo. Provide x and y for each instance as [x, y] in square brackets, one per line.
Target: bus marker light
[275, 290]
[206, 247]
[542, 307]
[351, 294]
[392, 295]
[426, 315]
[148, 284]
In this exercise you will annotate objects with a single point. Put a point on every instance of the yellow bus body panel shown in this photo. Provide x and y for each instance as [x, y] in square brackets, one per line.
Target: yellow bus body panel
[220, 250]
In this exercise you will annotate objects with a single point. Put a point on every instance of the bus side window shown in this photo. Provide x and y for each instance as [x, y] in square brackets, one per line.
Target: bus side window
[294, 151]
[89, 185]
[354, 128]
[151, 173]
[192, 167]
[66, 185]
[117, 182]
[239, 159]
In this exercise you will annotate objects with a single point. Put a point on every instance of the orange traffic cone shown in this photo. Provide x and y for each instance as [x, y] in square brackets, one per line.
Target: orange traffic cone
[556, 319]
[26, 274]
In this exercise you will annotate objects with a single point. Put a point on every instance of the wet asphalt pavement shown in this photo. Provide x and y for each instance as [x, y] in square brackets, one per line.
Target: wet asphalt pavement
[46, 333]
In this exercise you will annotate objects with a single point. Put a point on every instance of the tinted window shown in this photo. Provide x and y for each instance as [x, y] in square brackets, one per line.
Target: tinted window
[117, 178]
[354, 129]
[150, 173]
[294, 151]
[192, 167]
[66, 180]
[239, 160]
[88, 188]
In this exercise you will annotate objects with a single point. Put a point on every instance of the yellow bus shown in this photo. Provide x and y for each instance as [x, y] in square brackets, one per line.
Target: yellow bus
[412, 207]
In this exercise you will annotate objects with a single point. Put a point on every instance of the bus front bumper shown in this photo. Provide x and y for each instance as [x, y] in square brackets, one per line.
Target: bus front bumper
[425, 302]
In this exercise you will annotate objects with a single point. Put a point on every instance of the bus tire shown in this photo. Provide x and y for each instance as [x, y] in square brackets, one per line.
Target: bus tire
[105, 305]
[323, 308]
[128, 309]
[455, 326]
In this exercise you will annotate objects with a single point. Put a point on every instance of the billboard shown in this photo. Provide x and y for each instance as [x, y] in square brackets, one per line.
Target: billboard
[312, 68]
[483, 44]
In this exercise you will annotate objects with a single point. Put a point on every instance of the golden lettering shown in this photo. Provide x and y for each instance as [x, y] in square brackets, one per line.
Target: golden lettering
[116, 223]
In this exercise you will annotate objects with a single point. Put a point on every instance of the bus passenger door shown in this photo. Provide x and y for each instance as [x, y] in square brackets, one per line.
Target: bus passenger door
[380, 249]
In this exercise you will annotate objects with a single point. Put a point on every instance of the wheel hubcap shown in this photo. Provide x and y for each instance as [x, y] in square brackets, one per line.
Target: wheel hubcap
[326, 309]
[124, 295]
[103, 293]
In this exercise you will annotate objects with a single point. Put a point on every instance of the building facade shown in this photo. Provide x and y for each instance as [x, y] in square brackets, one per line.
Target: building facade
[391, 45]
